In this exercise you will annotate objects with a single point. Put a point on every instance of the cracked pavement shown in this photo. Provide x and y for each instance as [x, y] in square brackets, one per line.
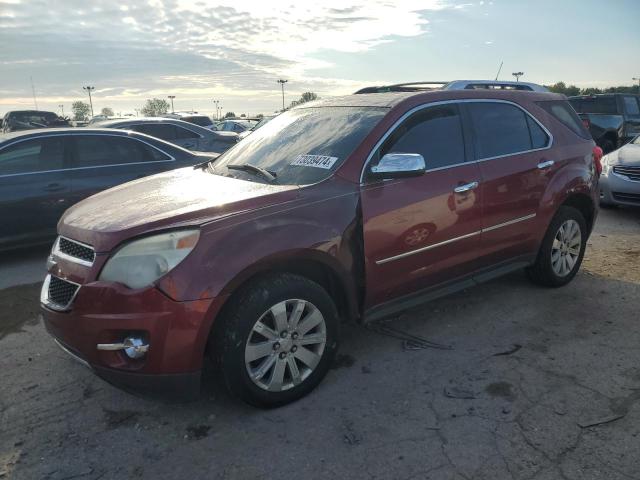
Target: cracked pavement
[565, 405]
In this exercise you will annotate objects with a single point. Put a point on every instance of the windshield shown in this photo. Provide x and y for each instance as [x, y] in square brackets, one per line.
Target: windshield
[302, 146]
[36, 118]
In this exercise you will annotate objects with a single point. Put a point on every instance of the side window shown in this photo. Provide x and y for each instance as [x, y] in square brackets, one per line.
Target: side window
[539, 137]
[435, 133]
[160, 130]
[185, 133]
[37, 155]
[631, 106]
[500, 128]
[105, 150]
[563, 112]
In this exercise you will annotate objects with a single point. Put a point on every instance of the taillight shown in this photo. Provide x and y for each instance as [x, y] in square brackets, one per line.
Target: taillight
[597, 159]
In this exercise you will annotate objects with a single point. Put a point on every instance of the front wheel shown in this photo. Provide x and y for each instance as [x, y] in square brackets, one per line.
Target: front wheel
[277, 340]
[562, 249]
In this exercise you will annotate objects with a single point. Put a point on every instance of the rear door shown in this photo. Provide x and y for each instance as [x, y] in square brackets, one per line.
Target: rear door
[103, 161]
[516, 163]
[418, 232]
[35, 189]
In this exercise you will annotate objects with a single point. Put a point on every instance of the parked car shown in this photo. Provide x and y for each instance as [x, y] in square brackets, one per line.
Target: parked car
[323, 215]
[620, 181]
[613, 119]
[95, 120]
[263, 121]
[18, 120]
[192, 117]
[237, 126]
[183, 134]
[44, 172]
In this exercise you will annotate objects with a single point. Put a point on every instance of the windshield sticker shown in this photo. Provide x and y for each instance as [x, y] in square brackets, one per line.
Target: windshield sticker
[317, 161]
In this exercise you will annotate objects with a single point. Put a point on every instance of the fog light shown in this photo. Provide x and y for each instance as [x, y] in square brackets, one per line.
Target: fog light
[134, 347]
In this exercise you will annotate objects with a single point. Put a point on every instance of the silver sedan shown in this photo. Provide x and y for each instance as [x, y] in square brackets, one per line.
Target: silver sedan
[620, 180]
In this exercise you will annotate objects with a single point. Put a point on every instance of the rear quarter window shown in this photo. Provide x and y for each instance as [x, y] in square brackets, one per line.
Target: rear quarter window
[562, 111]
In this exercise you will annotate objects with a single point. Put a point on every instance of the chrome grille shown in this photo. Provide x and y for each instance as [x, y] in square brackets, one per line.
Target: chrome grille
[75, 251]
[627, 197]
[632, 173]
[58, 293]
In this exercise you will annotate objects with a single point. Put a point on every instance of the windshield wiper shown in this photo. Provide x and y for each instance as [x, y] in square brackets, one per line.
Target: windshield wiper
[247, 167]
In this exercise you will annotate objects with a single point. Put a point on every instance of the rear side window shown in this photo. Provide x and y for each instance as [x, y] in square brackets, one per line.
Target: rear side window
[562, 111]
[631, 105]
[185, 133]
[504, 129]
[164, 131]
[435, 133]
[106, 150]
[599, 105]
[37, 155]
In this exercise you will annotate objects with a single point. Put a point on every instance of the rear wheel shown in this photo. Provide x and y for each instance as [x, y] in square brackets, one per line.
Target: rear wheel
[562, 249]
[277, 340]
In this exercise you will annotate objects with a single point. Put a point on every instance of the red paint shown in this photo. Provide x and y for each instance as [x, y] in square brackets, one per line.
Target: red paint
[337, 225]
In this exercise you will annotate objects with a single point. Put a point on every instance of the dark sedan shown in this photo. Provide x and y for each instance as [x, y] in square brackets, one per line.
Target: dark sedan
[43, 172]
[18, 120]
[178, 132]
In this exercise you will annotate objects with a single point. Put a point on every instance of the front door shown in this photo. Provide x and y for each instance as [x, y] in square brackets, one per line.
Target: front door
[35, 187]
[421, 232]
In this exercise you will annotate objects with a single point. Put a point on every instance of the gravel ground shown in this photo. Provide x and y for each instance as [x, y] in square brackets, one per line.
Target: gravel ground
[540, 384]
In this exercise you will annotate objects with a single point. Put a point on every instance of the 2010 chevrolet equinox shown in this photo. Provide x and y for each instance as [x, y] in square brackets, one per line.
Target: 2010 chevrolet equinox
[351, 208]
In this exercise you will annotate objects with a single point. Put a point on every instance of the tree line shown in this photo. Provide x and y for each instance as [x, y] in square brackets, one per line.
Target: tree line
[155, 107]
[573, 90]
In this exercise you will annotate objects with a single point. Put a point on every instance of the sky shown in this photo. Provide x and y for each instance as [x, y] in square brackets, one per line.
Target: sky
[235, 51]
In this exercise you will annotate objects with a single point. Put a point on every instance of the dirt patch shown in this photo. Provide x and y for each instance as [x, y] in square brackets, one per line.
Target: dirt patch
[501, 389]
[197, 432]
[20, 306]
[613, 256]
[118, 418]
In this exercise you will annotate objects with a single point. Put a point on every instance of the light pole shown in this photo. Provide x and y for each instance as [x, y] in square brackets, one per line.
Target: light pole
[62, 110]
[637, 79]
[216, 103]
[517, 75]
[88, 89]
[171, 97]
[282, 82]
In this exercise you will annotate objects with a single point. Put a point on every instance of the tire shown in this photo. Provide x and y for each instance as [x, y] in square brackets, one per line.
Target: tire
[549, 268]
[239, 337]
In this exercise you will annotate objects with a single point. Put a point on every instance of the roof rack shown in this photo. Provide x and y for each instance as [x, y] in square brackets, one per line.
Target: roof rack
[455, 85]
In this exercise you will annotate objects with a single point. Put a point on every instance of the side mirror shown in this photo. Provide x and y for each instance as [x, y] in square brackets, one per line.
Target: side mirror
[396, 165]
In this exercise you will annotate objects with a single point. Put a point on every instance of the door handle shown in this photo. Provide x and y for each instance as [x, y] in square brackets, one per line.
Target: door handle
[54, 187]
[466, 188]
[547, 164]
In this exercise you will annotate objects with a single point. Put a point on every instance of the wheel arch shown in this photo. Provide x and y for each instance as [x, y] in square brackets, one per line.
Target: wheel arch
[317, 266]
[584, 204]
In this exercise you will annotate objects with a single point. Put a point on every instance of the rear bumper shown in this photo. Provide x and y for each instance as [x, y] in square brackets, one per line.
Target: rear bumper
[616, 190]
[176, 333]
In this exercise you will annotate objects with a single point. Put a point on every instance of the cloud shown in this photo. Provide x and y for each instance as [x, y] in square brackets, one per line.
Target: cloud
[199, 48]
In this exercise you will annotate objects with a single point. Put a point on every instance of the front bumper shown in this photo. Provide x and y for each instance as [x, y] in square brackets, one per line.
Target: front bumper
[176, 332]
[617, 190]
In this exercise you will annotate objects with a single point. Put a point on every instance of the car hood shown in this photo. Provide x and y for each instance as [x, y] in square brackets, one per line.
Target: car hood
[629, 155]
[182, 197]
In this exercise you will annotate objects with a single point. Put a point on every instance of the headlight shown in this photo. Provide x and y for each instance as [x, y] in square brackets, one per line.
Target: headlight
[141, 262]
[605, 164]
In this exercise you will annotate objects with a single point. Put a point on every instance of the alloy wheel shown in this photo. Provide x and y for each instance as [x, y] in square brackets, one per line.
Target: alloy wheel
[566, 247]
[285, 345]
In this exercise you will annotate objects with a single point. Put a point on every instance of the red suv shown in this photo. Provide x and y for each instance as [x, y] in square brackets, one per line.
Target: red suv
[351, 208]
